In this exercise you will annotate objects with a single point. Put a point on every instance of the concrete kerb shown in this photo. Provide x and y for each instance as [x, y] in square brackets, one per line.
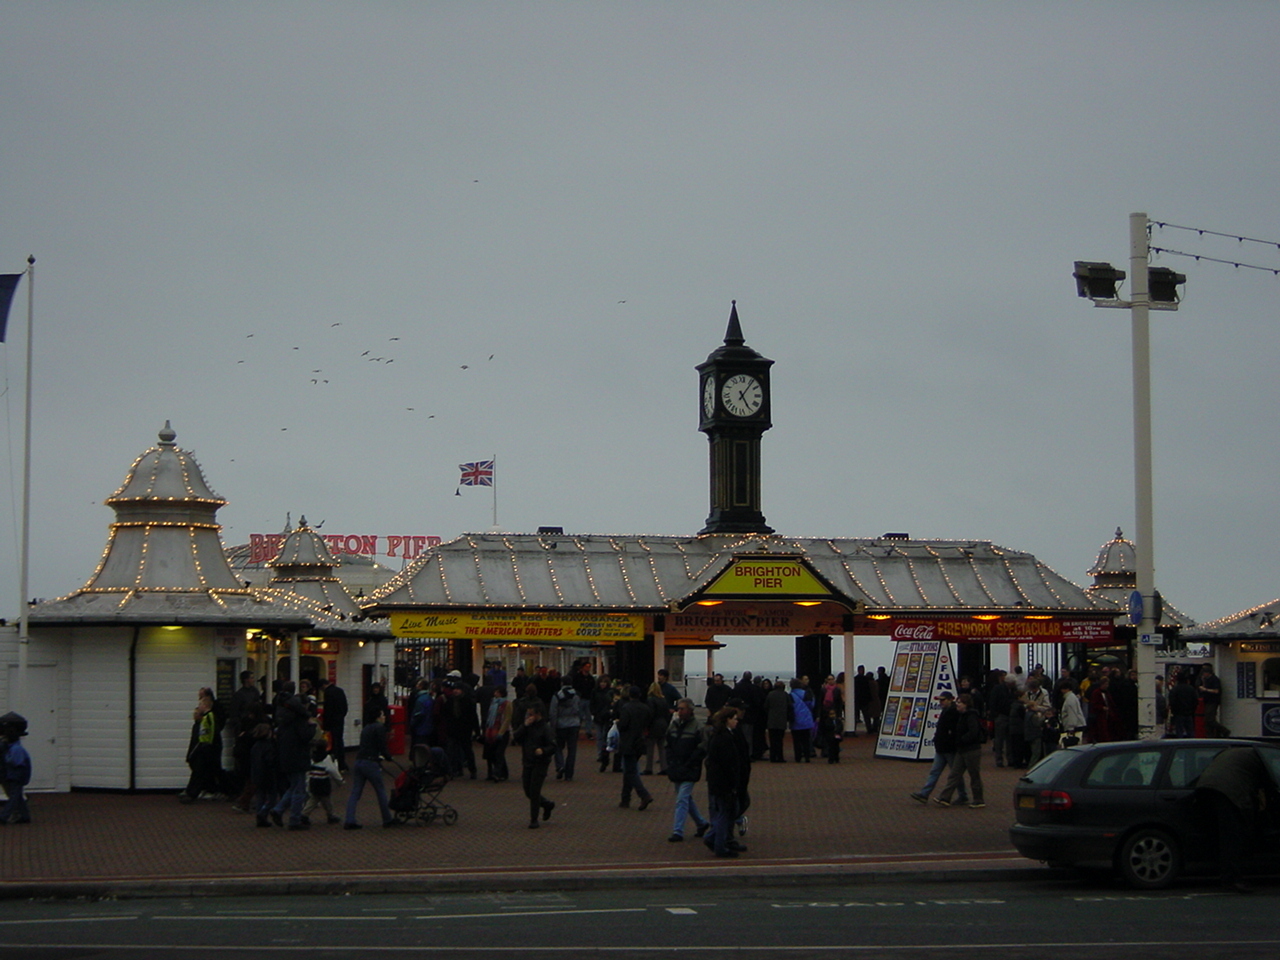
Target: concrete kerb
[521, 882]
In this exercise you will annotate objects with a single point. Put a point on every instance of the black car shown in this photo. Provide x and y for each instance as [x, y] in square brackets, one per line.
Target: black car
[1131, 807]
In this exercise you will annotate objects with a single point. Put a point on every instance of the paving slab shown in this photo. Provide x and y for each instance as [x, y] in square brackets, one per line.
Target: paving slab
[807, 821]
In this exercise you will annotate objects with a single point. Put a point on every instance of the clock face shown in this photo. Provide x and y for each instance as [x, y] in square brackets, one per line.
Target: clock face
[742, 395]
[709, 396]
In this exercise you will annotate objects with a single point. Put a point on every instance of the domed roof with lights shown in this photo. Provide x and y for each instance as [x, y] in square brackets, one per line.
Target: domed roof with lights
[304, 573]
[163, 562]
[1115, 576]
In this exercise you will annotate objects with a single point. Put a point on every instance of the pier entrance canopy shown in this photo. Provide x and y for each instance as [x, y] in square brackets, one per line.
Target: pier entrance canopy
[633, 597]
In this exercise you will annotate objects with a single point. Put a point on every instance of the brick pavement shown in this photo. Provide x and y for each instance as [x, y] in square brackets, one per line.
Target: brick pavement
[853, 819]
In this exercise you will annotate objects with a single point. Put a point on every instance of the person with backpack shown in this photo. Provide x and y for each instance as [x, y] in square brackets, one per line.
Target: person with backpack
[497, 734]
[16, 769]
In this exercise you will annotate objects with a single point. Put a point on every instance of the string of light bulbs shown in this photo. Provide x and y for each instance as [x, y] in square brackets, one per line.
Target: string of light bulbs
[1214, 233]
[1204, 232]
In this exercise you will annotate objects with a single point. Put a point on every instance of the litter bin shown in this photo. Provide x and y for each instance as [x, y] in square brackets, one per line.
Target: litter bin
[396, 730]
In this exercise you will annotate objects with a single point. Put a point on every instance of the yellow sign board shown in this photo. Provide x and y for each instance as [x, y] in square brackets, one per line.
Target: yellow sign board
[515, 627]
[767, 578]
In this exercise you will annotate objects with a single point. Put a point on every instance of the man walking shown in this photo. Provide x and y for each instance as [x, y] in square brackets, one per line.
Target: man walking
[537, 747]
[633, 719]
[944, 748]
[686, 749]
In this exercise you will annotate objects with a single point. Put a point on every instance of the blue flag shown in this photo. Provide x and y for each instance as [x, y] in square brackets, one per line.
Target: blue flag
[8, 284]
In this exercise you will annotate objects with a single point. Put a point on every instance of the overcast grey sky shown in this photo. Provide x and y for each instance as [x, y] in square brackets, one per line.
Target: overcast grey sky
[224, 199]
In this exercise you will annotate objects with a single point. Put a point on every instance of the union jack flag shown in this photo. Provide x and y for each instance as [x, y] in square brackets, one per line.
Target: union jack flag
[478, 474]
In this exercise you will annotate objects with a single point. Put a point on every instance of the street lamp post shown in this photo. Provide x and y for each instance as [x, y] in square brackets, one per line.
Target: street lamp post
[1144, 542]
[1097, 281]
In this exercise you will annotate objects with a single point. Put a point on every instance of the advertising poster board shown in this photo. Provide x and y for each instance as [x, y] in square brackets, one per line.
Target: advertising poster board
[922, 669]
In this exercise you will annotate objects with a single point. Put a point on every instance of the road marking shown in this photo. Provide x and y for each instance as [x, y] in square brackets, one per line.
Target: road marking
[142, 949]
[529, 913]
[681, 910]
[291, 918]
[14, 923]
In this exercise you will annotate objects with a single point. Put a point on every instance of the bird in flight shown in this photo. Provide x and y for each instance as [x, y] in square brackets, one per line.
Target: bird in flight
[464, 367]
[335, 324]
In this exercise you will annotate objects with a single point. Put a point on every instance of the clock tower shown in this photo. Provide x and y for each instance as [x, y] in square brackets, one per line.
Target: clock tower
[734, 397]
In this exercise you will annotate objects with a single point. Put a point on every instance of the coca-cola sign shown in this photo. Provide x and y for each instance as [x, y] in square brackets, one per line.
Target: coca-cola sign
[913, 631]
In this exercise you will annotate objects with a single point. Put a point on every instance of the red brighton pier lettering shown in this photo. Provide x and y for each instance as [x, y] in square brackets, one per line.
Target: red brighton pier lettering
[263, 547]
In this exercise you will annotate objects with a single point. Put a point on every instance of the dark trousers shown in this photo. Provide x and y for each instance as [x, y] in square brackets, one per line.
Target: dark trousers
[801, 744]
[338, 750]
[495, 755]
[1233, 832]
[631, 778]
[566, 750]
[723, 811]
[458, 749]
[532, 777]
[776, 738]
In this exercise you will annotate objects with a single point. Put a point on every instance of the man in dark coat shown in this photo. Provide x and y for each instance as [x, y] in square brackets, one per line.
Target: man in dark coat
[334, 699]
[294, 733]
[1232, 790]
[460, 723]
[685, 751]
[537, 747]
[724, 781]
[633, 721]
[717, 695]
[1182, 707]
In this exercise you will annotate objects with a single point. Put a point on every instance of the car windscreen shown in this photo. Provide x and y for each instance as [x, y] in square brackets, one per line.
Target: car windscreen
[1047, 769]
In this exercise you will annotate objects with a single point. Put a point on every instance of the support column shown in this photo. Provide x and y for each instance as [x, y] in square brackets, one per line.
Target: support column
[659, 644]
[850, 728]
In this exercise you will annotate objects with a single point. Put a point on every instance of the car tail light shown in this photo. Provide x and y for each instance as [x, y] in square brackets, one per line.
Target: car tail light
[1051, 801]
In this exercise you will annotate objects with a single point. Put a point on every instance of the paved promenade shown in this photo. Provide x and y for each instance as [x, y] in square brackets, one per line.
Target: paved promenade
[854, 820]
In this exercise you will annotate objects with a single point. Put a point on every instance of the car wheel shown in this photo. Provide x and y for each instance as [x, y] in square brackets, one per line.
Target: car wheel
[1149, 859]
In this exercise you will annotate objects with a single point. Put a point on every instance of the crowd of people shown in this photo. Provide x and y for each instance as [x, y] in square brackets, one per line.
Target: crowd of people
[1026, 716]
[289, 753]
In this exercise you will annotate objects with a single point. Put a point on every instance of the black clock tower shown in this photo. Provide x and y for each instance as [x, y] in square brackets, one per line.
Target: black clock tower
[734, 397]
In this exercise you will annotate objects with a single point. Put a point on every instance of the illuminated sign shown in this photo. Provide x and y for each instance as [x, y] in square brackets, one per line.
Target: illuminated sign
[999, 630]
[767, 577]
[764, 620]
[515, 627]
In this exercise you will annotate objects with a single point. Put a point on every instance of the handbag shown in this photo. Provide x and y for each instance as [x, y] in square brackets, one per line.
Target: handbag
[1069, 740]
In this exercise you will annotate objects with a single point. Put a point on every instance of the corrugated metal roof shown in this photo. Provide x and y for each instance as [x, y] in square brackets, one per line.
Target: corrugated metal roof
[1256, 623]
[650, 572]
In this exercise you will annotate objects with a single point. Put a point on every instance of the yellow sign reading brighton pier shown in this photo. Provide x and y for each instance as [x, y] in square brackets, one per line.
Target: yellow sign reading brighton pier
[767, 577]
[552, 627]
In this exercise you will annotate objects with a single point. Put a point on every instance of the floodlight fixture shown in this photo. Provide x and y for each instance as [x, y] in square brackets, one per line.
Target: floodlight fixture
[1097, 281]
[1162, 284]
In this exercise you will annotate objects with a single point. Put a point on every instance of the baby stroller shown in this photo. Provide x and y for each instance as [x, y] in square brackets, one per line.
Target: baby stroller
[416, 795]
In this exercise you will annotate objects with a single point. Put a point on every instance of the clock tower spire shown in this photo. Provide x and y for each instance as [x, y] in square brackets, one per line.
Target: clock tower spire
[734, 380]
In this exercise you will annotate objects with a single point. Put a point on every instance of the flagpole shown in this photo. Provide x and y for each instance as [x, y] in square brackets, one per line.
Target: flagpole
[24, 639]
[495, 493]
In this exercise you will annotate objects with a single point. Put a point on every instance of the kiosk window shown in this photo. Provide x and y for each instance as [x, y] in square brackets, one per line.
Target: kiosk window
[1271, 673]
